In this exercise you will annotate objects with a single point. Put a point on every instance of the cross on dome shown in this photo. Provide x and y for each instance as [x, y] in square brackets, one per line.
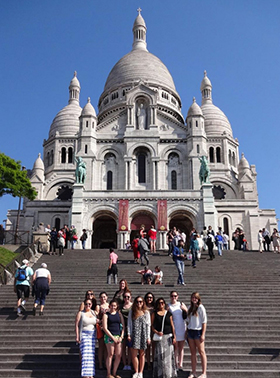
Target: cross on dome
[205, 73]
[139, 10]
[75, 73]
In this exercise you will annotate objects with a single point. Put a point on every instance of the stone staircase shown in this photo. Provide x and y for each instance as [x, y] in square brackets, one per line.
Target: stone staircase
[240, 291]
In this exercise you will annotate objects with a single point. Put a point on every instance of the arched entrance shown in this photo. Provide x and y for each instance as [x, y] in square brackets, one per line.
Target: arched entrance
[182, 222]
[104, 232]
[139, 220]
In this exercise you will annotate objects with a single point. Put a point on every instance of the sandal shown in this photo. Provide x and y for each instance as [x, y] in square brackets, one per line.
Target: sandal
[192, 375]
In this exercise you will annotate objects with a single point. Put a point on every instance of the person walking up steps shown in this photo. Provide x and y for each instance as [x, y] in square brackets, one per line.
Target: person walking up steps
[22, 285]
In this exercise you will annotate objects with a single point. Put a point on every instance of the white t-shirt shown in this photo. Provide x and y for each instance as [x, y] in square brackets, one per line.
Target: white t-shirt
[195, 322]
[42, 272]
[159, 275]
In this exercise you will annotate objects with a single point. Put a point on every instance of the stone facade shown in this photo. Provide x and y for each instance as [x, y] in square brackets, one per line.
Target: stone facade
[141, 152]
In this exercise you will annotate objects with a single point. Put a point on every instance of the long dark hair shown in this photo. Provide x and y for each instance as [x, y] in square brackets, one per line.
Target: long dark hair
[157, 303]
[194, 306]
[146, 300]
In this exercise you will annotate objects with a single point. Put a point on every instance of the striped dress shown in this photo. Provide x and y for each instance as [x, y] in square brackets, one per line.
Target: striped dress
[87, 345]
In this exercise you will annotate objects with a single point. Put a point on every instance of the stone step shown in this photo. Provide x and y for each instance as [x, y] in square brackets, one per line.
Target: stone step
[64, 374]
[74, 357]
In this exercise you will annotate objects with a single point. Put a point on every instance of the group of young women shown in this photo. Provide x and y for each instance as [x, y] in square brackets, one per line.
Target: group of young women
[136, 331]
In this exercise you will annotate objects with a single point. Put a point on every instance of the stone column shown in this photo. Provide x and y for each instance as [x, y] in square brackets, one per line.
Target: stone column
[123, 236]
[77, 207]
[161, 240]
[209, 210]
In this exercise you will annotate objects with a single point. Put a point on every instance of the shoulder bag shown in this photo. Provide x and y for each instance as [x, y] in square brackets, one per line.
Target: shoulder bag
[157, 337]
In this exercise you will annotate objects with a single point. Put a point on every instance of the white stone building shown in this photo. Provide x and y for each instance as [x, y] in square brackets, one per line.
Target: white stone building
[142, 162]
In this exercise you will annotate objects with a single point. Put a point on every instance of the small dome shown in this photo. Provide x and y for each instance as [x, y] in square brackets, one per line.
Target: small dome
[243, 163]
[66, 122]
[195, 109]
[75, 82]
[88, 109]
[216, 122]
[39, 164]
[139, 21]
[206, 83]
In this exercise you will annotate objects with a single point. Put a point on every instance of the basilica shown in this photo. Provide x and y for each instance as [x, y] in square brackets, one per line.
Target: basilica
[140, 159]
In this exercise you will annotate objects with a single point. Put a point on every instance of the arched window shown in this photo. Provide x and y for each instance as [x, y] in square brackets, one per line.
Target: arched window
[198, 148]
[211, 154]
[57, 224]
[174, 180]
[70, 155]
[63, 155]
[48, 159]
[85, 148]
[86, 123]
[229, 157]
[51, 159]
[233, 159]
[225, 226]
[109, 180]
[196, 123]
[218, 155]
[141, 168]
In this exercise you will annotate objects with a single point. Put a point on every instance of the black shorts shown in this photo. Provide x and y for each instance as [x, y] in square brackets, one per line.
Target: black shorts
[23, 291]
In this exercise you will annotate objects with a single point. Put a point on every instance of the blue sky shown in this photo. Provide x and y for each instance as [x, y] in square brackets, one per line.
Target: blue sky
[236, 41]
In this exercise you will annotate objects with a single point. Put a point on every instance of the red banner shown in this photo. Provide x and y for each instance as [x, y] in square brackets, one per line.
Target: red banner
[123, 215]
[162, 215]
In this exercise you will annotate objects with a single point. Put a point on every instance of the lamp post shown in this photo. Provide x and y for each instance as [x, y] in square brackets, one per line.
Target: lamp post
[18, 214]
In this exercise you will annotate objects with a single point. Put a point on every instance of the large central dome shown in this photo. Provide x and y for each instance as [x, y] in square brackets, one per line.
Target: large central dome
[139, 65]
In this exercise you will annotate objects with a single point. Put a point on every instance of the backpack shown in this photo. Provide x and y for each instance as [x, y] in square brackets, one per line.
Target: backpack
[22, 276]
[209, 240]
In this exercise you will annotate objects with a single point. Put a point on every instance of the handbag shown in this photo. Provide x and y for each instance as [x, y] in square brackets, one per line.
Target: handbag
[157, 337]
[189, 256]
[75, 237]
[99, 332]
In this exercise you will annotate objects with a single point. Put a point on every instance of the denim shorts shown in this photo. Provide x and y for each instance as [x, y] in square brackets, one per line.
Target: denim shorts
[194, 334]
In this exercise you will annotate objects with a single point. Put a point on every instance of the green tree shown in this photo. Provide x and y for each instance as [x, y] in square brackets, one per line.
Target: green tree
[14, 180]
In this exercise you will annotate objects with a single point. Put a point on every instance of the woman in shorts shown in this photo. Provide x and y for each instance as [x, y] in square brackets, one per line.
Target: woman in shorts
[197, 321]
[113, 326]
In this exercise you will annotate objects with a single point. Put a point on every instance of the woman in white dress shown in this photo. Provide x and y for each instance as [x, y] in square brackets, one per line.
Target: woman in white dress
[176, 308]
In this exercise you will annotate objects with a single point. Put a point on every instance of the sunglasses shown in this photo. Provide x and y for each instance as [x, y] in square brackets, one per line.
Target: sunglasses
[173, 296]
[150, 298]
[139, 301]
[161, 302]
[88, 304]
[127, 296]
[89, 293]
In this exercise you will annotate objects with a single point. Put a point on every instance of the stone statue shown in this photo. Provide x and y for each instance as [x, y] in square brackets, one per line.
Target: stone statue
[81, 170]
[141, 117]
[204, 171]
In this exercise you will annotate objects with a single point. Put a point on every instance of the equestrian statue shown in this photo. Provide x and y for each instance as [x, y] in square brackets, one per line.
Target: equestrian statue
[81, 170]
[204, 171]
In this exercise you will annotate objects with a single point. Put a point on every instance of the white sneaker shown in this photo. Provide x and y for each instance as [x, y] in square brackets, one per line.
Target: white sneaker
[135, 375]
[140, 375]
